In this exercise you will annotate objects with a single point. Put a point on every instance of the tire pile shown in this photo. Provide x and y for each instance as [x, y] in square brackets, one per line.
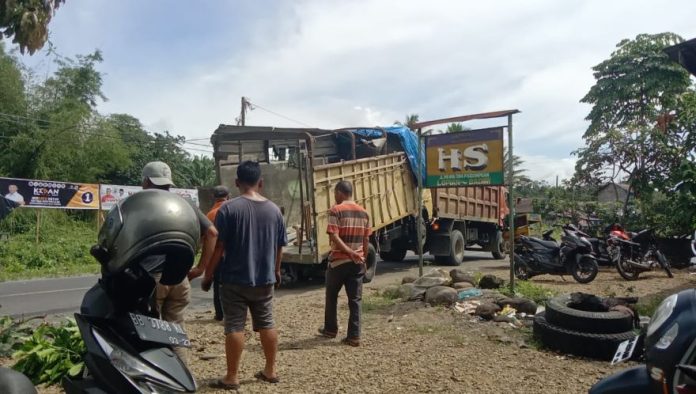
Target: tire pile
[582, 333]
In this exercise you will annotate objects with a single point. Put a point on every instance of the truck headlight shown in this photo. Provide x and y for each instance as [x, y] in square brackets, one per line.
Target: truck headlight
[142, 376]
[663, 312]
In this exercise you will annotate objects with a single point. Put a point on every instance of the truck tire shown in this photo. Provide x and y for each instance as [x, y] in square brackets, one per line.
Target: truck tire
[499, 251]
[371, 262]
[561, 315]
[457, 246]
[396, 254]
[599, 346]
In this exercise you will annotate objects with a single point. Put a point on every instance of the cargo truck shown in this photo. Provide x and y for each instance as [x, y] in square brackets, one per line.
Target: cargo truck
[300, 168]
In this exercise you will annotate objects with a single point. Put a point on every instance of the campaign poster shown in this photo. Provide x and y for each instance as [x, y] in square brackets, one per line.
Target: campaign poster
[112, 194]
[50, 194]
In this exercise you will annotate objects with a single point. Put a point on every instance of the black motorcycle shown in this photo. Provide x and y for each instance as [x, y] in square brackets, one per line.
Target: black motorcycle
[129, 350]
[637, 254]
[670, 353]
[599, 245]
[534, 256]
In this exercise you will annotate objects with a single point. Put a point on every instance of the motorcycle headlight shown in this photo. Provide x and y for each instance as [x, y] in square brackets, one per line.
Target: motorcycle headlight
[144, 377]
[663, 312]
[668, 337]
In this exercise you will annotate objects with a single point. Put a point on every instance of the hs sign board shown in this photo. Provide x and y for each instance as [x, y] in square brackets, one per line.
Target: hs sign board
[472, 158]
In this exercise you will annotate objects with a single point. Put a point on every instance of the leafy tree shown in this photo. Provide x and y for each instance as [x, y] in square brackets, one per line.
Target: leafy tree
[199, 172]
[27, 21]
[636, 88]
[13, 101]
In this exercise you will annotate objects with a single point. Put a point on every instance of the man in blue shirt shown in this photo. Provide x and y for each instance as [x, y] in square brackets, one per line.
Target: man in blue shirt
[252, 236]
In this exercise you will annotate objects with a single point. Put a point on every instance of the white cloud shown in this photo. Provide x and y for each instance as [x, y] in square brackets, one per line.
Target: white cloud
[346, 63]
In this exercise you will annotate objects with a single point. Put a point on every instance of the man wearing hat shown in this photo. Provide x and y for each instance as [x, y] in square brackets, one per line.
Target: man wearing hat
[221, 194]
[173, 300]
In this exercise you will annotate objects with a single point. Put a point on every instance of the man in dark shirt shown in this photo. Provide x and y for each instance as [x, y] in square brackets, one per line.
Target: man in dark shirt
[252, 236]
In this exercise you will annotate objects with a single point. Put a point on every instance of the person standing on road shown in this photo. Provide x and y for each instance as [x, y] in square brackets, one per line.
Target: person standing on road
[349, 231]
[252, 236]
[221, 195]
[172, 300]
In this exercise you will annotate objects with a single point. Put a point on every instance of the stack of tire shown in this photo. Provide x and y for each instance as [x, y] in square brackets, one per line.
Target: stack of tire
[582, 333]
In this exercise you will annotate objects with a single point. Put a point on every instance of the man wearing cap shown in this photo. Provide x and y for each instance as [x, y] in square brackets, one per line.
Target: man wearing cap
[173, 300]
[220, 194]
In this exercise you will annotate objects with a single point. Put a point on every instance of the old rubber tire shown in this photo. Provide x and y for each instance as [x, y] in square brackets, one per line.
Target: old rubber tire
[396, 254]
[520, 268]
[561, 315]
[588, 264]
[371, 262]
[599, 346]
[499, 251]
[457, 247]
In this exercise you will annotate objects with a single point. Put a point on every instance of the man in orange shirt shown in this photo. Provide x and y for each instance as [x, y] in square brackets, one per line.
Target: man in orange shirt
[221, 195]
[349, 231]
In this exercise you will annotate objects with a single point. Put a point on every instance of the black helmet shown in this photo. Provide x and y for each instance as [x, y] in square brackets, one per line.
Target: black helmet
[149, 223]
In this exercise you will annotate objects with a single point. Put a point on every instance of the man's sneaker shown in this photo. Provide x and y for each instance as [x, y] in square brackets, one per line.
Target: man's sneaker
[327, 334]
[354, 342]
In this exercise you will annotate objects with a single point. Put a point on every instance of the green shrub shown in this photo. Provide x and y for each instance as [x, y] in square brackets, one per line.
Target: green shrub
[51, 353]
[530, 290]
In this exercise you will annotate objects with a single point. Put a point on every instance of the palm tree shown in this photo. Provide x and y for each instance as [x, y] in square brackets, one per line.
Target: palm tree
[518, 171]
[411, 120]
[199, 172]
[456, 127]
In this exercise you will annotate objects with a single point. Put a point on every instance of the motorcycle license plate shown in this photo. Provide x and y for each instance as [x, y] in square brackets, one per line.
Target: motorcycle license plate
[625, 350]
[158, 330]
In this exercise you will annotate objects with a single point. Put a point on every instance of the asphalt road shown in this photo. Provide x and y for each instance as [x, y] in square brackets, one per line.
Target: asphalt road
[64, 295]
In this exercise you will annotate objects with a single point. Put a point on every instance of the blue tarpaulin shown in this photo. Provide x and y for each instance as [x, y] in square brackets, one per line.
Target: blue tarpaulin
[409, 141]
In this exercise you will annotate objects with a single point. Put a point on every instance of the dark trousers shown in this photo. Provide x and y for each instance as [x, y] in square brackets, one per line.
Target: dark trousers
[349, 275]
[217, 292]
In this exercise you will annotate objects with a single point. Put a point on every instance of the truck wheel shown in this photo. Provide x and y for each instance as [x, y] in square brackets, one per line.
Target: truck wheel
[371, 262]
[499, 251]
[396, 254]
[457, 246]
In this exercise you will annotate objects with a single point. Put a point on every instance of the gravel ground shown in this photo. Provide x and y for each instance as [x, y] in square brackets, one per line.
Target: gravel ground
[410, 348]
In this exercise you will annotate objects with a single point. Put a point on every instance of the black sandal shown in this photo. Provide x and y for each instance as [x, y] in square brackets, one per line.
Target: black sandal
[262, 376]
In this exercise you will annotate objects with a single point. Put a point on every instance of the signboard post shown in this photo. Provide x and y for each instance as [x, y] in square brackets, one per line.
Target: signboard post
[468, 158]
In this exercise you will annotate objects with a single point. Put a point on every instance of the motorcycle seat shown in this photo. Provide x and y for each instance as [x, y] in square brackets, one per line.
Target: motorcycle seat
[546, 244]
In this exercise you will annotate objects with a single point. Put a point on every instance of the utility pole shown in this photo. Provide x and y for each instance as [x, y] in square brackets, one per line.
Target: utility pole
[242, 116]
[419, 220]
[511, 194]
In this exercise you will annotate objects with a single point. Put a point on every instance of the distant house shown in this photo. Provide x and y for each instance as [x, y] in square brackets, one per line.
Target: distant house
[613, 192]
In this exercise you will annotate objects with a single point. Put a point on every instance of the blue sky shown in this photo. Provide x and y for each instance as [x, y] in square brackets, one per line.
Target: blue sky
[183, 66]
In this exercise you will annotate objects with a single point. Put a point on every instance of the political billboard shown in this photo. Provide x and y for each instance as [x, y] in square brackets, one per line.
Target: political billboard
[110, 195]
[50, 194]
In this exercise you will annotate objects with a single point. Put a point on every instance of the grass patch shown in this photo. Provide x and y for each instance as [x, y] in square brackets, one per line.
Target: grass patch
[375, 303]
[62, 248]
[646, 306]
[529, 290]
[390, 292]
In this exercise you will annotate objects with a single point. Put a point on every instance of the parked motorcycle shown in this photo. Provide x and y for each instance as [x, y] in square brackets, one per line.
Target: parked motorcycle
[635, 253]
[129, 350]
[599, 245]
[670, 353]
[534, 256]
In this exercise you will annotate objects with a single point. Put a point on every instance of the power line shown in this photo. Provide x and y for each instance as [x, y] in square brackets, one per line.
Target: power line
[254, 106]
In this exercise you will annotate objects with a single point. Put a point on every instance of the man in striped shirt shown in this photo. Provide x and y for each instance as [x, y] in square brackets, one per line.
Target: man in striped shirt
[349, 231]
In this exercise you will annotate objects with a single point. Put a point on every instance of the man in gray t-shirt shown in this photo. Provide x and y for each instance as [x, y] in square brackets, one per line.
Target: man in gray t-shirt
[252, 236]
